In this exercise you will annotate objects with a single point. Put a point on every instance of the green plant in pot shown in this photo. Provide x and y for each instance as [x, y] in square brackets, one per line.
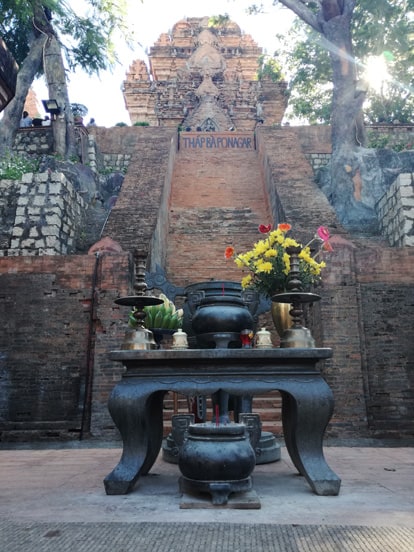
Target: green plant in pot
[79, 111]
[160, 317]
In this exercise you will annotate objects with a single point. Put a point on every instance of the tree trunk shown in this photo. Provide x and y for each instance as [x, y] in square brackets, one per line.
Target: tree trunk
[347, 100]
[12, 114]
[43, 48]
[63, 126]
[344, 180]
[348, 194]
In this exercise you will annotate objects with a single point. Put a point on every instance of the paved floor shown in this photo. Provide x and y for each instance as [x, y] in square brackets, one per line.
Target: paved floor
[54, 499]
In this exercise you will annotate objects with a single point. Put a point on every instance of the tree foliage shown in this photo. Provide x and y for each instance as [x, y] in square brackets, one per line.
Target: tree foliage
[346, 31]
[269, 68]
[217, 21]
[87, 39]
[379, 28]
[37, 32]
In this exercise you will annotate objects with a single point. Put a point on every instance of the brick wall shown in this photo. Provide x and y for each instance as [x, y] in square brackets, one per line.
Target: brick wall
[217, 199]
[385, 277]
[371, 378]
[51, 315]
[293, 195]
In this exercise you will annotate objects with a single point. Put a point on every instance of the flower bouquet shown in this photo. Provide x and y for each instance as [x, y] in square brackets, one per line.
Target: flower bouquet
[268, 263]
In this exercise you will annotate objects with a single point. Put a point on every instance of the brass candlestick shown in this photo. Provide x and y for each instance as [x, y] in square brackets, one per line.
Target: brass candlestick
[139, 337]
[297, 336]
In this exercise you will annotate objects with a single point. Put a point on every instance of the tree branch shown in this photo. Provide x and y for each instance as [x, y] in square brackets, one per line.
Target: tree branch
[303, 12]
[13, 111]
[333, 8]
[348, 7]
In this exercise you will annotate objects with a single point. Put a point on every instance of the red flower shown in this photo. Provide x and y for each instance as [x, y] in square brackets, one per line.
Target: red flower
[229, 252]
[284, 227]
[323, 233]
[265, 228]
[327, 247]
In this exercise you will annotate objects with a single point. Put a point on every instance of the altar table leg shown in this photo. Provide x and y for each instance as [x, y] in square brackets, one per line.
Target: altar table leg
[138, 416]
[306, 413]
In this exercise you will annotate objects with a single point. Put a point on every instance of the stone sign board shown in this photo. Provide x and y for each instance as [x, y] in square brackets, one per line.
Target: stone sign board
[217, 140]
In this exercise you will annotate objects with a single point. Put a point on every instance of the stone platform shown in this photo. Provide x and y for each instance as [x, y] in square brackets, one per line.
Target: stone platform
[54, 499]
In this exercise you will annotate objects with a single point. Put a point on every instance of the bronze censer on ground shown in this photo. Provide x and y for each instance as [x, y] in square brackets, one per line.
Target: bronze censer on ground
[218, 459]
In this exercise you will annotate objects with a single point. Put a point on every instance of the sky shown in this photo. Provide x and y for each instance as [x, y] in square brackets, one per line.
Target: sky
[103, 95]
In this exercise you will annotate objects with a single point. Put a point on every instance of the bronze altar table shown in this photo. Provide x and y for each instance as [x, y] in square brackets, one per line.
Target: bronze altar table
[136, 402]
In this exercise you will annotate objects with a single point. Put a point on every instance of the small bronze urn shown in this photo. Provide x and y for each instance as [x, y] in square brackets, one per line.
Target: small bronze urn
[216, 459]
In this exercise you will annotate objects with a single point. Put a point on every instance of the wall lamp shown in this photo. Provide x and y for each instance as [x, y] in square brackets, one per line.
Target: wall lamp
[52, 107]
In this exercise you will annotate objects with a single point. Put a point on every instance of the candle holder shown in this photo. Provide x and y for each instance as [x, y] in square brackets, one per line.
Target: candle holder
[297, 336]
[139, 337]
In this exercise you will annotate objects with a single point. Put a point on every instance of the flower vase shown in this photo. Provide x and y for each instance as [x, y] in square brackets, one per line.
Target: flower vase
[281, 317]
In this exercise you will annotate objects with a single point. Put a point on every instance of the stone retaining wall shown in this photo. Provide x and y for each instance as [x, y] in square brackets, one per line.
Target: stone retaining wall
[48, 215]
[396, 212]
[34, 141]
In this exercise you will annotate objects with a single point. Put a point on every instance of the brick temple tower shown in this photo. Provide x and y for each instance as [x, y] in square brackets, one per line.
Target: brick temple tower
[203, 77]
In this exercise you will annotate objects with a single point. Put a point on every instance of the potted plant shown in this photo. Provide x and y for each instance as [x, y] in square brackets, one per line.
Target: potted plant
[79, 111]
[162, 319]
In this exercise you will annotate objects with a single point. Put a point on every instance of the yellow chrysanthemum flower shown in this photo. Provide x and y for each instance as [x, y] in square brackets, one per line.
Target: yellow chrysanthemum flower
[286, 262]
[246, 281]
[274, 236]
[260, 247]
[305, 255]
[268, 262]
[265, 267]
[290, 242]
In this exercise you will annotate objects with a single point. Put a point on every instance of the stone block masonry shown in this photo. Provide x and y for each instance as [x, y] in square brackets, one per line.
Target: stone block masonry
[9, 193]
[38, 141]
[48, 215]
[396, 212]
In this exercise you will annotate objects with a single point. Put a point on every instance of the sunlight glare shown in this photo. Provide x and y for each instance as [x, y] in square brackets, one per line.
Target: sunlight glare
[376, 73]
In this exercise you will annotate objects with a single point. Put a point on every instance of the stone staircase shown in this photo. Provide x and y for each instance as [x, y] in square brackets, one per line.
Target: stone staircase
[217, 199]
